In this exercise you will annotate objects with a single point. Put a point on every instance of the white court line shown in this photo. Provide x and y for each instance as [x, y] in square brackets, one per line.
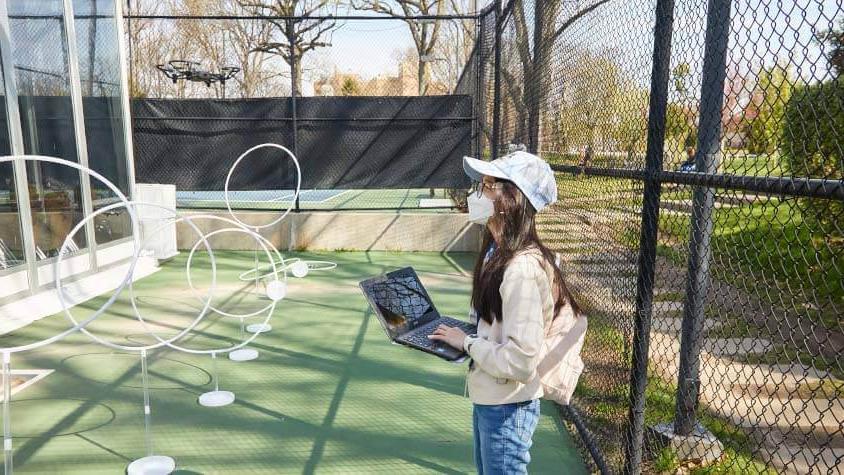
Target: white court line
[285, 198]
[274, 200]
[39, 375]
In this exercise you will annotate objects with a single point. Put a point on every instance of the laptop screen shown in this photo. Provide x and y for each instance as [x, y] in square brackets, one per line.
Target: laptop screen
[401, 302]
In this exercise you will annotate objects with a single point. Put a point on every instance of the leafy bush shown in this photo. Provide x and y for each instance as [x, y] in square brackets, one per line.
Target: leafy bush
[813, 146]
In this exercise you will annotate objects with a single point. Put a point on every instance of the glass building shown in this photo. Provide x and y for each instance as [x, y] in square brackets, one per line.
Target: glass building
[64, 94]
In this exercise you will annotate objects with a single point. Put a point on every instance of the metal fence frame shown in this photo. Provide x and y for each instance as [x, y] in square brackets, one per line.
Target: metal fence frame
[654, 177]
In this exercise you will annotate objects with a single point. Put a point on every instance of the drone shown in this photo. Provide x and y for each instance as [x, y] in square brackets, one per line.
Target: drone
[189, 70]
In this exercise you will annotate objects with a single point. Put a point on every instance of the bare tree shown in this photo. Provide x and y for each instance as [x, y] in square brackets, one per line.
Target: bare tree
[231, 43]
[212, 43]
[453, 49]
[145, 47]
[298, 36]
[535, 64]
[424, 32]
[257, 76]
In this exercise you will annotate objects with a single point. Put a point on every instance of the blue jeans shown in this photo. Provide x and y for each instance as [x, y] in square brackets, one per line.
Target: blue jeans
[503, 436]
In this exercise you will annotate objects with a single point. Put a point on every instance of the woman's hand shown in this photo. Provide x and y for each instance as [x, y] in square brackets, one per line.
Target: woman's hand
[452, 336]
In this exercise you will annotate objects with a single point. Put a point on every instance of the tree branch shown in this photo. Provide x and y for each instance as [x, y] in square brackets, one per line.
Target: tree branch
[577, 16]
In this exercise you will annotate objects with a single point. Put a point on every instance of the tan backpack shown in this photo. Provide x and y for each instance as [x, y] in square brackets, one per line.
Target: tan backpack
[560, 364]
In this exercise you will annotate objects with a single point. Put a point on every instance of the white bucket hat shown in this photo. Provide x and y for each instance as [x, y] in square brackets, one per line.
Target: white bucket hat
[530, 173]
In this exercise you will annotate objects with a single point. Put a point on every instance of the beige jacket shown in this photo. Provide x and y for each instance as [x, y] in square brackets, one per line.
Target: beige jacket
[507, 353]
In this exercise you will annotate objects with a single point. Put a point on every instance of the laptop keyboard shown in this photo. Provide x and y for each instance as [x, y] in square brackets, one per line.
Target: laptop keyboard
[420, 336]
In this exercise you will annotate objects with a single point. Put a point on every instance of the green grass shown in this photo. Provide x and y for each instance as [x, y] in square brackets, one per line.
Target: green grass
[666, 461]
[577, 186]
[329, 393]
[740, 162]
[769, 242]
[674, 296]
[765, 245]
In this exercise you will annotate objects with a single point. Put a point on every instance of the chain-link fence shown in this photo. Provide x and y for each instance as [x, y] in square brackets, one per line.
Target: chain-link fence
[698, 151]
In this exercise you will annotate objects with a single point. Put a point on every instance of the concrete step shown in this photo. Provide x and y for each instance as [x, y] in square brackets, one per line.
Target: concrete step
[737, 346]
[674, 325]
[796, 459]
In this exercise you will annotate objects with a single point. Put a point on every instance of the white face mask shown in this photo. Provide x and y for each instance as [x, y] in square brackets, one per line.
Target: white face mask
[481, 208]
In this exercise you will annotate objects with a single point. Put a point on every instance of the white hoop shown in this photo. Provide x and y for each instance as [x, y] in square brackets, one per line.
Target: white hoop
[261, 240]
[135, 258]
[321, 265]
[270, 308]
[246, 276]
[292, 201]
[128, 277]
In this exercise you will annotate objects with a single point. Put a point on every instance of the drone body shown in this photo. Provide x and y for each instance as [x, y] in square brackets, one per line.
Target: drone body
[179, 69]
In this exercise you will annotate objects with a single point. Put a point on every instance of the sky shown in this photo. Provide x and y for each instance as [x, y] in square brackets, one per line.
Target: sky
[761, 33]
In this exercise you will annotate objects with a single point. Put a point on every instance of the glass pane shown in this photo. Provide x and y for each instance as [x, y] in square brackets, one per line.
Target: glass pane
[99, 71]
[11, 244]
[39, 55]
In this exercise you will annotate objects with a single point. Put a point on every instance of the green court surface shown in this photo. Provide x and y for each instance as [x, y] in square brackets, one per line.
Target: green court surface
[328, 394]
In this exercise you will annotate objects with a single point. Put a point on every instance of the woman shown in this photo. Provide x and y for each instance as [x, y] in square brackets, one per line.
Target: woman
[516, 292]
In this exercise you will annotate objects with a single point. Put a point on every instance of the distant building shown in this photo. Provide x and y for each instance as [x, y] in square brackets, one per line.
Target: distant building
[405, 83]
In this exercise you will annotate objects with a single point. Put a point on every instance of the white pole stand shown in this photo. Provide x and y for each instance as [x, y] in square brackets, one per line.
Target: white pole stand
[243, 354]
[151, 464]
[7, 423]
[216, 398]
[259, 328]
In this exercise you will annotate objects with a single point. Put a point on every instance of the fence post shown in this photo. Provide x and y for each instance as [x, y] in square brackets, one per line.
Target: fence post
[534, 82]
[479, 102]
[706, 161]
[496, 85]
[294, 91]
[647, 242]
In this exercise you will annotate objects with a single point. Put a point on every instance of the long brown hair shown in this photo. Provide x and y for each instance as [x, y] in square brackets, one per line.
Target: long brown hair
[515, 220]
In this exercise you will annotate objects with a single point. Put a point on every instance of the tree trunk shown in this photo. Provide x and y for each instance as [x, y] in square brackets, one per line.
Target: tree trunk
[420, 76]
[296, 72]
[535, 81]
[92, 48]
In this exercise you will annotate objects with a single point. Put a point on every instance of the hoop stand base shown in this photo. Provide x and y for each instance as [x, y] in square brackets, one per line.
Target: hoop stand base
[216, 398]
[243, 354]
[152, 465]
[259, 328]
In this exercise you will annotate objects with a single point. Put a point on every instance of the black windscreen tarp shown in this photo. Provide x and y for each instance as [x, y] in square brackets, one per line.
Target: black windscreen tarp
[342, 142]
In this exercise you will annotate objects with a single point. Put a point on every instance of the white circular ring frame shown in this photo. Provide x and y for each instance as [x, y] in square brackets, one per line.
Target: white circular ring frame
[135, 257]
[126, 279]
[294, 197]
[287, 264]
[264, 242]
[271, 307]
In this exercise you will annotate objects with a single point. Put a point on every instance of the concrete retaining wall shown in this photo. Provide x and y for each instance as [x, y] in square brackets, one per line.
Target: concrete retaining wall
[345, 231]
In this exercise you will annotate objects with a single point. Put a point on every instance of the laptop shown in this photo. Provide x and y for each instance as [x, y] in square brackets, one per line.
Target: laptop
[407, 314]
